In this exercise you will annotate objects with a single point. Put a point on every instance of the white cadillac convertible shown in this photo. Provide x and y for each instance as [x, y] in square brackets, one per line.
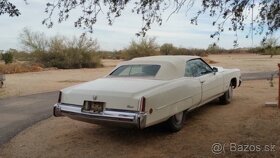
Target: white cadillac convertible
[149, 90]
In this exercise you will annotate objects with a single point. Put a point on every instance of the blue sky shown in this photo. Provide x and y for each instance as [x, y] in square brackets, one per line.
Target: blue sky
[177, 30]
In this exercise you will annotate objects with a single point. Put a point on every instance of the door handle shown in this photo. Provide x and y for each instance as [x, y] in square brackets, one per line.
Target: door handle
[202, 81]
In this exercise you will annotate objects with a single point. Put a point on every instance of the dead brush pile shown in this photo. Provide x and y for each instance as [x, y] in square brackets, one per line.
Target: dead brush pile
[19, 68]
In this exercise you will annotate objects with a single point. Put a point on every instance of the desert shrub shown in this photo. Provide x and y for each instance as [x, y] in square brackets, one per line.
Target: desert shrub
[269, 47]
[255, 50]
[7, 57]
[167, 49]
[33, 41]
[75, 53]
[61, 52]
[70, 58]
[198, 52]
[270, 51]
[20, 55]
[105, 54]
[143, 47]
[215, 49]
[116, 54]
[182, 51]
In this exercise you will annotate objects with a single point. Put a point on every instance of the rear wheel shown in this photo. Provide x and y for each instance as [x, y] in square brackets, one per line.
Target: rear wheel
[227, 97]
[175, 122]
[1, 84]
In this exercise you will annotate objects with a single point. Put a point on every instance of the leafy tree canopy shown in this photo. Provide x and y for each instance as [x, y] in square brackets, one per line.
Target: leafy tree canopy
[261, 16]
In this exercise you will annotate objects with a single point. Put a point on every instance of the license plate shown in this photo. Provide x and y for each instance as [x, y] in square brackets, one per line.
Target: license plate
[93, 107]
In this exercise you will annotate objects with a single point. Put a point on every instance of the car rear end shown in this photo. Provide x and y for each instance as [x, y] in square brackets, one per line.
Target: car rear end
[107, 102]
[99, 112]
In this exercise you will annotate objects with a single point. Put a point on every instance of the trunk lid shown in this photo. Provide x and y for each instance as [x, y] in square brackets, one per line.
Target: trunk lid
[116, 93]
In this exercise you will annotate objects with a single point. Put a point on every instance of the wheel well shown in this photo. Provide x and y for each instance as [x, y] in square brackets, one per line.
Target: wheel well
[233, 82]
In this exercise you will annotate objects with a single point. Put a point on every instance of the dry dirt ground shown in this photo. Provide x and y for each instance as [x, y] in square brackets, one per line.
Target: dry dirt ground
[247, 62]
[246, 121]
[51, 80]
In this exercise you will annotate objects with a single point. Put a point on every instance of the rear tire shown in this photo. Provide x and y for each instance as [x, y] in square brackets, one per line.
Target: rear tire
[176, 122]
[227, 97]
[1, 84]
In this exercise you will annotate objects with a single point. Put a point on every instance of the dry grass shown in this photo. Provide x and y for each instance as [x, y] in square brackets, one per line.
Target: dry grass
[19, 68]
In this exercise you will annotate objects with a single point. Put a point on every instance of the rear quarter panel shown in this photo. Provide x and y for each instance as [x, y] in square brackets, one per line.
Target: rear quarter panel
[230, 74]
[169, 99]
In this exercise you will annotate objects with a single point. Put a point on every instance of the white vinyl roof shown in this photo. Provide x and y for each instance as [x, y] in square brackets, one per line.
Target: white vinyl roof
[168, 58]
[172, 66]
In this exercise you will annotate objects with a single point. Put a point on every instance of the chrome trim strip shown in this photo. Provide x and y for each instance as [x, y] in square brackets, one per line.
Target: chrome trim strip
[137, 119]
[120, 110]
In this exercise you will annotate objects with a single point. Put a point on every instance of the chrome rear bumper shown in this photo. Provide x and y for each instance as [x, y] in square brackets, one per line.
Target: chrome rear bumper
[107, 117]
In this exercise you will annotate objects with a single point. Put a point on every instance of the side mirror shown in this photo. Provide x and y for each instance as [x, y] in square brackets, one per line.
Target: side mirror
[215, 70]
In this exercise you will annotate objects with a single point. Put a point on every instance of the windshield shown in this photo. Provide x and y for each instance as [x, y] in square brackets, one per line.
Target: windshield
[136, 71]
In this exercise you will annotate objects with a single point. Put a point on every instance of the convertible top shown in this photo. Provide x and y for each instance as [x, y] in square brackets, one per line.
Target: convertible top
[168, 58]
[172, 66]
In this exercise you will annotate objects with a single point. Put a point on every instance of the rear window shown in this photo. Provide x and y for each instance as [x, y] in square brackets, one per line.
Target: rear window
[136, 71]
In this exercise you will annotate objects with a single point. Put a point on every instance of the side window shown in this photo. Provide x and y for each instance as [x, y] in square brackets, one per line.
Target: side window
[136, 71]
[197, 67]
[122, 71]
[188, 69]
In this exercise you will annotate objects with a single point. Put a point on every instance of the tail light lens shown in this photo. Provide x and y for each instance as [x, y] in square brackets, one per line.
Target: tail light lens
[142, 104]
[59, 97]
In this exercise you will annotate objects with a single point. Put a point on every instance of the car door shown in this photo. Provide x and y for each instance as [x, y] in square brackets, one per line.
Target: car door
[211, 83]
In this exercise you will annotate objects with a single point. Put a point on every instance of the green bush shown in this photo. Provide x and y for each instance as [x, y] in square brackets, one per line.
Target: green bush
[7, 57]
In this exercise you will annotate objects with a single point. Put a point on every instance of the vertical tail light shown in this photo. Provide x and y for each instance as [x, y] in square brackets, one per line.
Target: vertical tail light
[59, 97]
[142, 104]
